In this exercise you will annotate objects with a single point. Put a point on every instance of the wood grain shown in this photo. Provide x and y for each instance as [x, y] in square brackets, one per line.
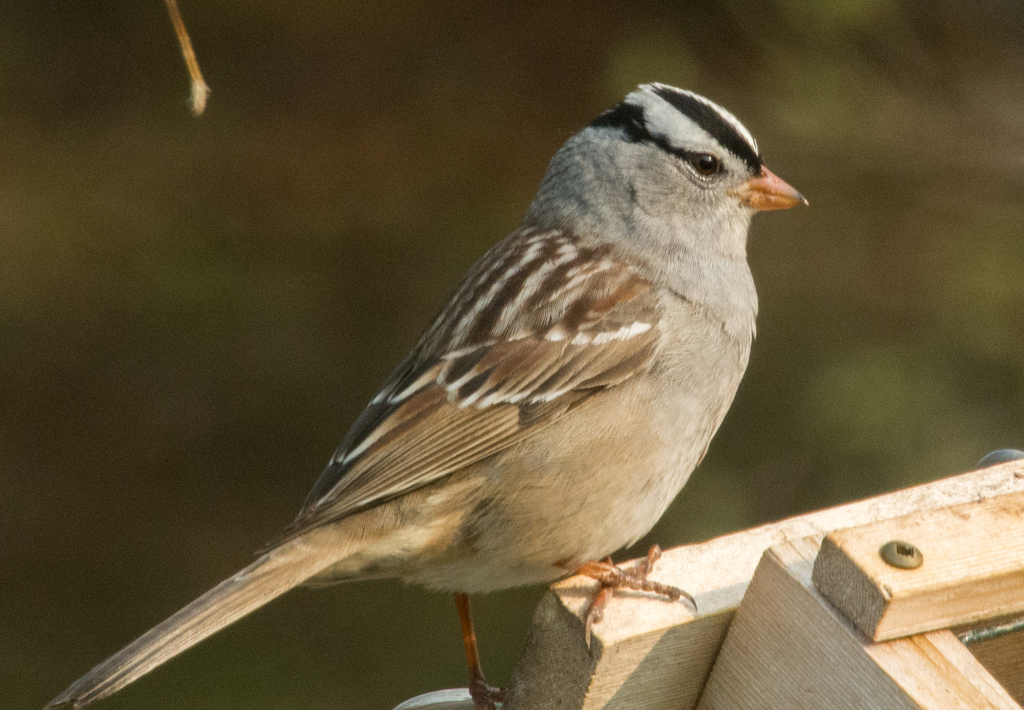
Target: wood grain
[973, 568]
[789, 648]
[1002, 656]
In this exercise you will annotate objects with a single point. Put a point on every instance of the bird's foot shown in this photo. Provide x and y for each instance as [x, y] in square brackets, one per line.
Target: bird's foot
[484, 696]
[612, 577]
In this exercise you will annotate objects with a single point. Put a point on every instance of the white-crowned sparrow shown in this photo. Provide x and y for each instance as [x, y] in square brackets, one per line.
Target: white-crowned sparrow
[559, 401]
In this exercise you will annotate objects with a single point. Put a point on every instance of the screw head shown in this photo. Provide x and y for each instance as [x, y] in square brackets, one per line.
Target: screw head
[901, 554]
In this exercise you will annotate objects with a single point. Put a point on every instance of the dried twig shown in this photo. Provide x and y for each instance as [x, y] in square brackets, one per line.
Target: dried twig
[200, 91]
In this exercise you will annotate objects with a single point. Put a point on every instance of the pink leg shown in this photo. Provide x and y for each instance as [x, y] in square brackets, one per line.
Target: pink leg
[484, 695]
[612, 578]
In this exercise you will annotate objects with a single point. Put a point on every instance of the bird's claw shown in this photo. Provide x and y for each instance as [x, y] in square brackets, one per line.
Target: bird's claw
[612, 577]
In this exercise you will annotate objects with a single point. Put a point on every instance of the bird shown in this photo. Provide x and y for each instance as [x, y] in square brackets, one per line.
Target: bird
[558, 402]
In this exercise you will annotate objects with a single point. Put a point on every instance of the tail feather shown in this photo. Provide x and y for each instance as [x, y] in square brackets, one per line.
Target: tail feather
[268, 577]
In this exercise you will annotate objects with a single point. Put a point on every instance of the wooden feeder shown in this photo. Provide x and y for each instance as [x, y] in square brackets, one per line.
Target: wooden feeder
[907, 600]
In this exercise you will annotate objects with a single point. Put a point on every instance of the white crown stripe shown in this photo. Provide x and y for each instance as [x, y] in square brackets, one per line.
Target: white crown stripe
[729, 118]
[656, 93]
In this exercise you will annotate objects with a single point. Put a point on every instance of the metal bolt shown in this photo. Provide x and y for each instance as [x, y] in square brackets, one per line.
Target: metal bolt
[901, 554]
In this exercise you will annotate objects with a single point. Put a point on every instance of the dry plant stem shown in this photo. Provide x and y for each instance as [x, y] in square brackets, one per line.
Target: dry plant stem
[612, 578]
[484, 695]
[200, 91]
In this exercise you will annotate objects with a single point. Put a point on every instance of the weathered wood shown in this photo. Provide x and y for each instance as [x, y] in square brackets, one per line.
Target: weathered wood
[789, 648]
[973, 568]
[661, 652]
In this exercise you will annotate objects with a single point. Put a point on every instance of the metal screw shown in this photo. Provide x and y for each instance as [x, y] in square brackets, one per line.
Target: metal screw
[901, 554]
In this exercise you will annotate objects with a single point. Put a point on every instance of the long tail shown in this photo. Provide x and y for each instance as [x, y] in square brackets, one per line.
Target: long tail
[270, 576]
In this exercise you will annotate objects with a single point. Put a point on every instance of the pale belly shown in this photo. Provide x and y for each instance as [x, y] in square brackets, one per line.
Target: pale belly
[539, 517]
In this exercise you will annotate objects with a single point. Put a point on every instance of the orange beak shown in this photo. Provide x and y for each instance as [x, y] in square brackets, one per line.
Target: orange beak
[768, 192]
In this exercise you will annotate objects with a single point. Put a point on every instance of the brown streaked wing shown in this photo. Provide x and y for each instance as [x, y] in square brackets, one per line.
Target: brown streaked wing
[429, 436]
[446, 408]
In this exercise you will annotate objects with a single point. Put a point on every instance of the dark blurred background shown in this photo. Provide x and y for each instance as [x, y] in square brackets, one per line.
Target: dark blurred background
[192, 311]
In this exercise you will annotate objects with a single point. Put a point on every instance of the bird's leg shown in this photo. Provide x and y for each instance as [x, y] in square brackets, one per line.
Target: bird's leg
[612, 577]
[484, 695]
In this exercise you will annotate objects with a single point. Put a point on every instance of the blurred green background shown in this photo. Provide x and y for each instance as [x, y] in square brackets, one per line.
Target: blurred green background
[192, 311]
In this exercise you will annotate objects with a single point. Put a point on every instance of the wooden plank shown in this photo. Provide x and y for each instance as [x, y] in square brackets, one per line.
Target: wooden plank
[938, 672]
[973, 568]
[1002, 656]
[662, 652]
[789, 648]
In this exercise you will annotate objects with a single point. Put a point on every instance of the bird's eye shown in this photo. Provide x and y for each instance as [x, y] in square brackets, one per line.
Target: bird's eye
[706, 164]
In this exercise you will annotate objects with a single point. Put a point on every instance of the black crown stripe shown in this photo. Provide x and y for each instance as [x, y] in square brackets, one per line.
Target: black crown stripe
[716, 125]
[628, 117]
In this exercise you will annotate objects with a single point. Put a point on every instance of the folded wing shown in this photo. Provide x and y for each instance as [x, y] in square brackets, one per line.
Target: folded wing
[482, 379]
